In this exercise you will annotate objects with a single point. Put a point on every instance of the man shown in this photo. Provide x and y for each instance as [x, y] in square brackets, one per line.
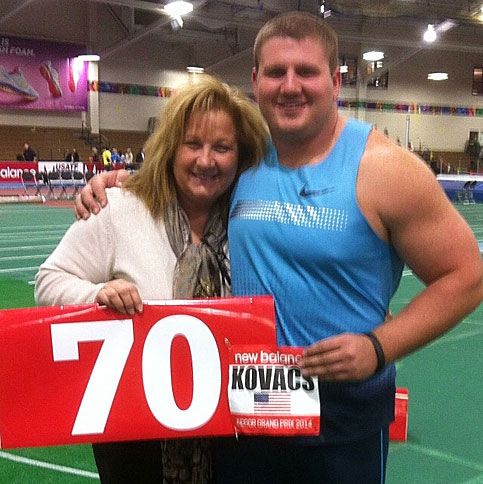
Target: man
[472, 149]
[325, 224]
[28, 153]
[73, 156]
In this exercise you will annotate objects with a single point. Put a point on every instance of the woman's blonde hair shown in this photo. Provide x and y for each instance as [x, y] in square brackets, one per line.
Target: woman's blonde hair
[154, 183]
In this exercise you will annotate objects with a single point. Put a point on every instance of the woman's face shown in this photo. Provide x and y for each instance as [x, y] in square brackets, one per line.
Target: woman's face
[206, 162]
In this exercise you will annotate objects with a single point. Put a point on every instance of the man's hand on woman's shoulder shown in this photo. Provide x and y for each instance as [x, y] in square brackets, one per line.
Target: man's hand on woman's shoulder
[92, 197]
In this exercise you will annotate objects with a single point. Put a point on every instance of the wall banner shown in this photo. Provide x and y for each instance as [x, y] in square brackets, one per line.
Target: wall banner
[41, 75]
[11, 171]
[60, 165]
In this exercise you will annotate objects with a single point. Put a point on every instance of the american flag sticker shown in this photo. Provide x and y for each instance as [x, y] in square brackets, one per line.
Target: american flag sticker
[272, 403]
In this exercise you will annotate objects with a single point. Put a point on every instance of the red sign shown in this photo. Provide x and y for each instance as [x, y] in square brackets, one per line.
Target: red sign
[11, 171]
[79, 374]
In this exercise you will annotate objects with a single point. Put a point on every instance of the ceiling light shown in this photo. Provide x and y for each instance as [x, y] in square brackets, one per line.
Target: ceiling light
[195, 70]
[176, 23]
[430, 34]
[89, 58]
[373, 55]
[438, 76]
[178, 8]
[343, 69]
[446, 25]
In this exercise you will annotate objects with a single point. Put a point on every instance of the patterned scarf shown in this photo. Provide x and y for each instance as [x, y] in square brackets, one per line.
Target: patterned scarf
[201, 271]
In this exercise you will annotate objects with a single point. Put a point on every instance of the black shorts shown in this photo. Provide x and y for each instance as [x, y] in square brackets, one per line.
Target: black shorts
[266, 461]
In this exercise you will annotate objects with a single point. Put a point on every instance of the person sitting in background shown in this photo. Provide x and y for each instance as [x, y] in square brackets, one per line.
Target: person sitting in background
[28, 153]
[208, 134]
[73, 156]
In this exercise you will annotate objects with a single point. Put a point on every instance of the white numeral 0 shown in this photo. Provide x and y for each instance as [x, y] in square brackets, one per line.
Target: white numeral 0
[118, 338]
[157, 372]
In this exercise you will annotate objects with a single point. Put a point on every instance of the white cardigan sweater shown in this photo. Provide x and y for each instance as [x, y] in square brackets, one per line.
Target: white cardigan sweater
[122, 241]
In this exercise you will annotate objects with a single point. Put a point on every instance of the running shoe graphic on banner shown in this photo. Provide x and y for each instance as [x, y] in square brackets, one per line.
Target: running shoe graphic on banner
[14, 82]
[50, 74]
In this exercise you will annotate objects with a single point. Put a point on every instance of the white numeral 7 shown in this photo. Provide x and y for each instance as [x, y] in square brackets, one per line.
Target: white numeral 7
[118, 338]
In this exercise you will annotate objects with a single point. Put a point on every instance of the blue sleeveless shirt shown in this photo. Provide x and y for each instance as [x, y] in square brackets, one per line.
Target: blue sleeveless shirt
[299, 235]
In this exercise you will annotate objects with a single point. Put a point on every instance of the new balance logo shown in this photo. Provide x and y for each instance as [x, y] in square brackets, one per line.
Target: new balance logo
[314, 193]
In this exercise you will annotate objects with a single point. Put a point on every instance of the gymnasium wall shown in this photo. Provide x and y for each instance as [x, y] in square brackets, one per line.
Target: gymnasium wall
[163, 66]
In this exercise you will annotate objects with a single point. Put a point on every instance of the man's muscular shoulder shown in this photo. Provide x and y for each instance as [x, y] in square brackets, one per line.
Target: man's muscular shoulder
[387, 176]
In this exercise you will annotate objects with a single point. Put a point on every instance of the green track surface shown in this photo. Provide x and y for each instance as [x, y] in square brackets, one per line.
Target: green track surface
[444, 379]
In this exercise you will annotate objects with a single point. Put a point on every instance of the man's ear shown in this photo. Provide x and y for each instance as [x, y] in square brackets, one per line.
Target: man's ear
[337, 82]
[255, 83]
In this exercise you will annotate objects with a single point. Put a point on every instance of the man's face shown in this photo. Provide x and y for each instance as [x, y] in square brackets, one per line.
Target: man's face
[294, 87]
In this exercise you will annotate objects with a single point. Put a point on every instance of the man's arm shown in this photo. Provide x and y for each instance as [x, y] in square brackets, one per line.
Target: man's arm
[436, 243]
[405, 205]
[92, 197]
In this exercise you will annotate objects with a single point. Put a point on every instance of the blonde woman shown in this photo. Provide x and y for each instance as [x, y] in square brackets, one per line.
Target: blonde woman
[162, 236]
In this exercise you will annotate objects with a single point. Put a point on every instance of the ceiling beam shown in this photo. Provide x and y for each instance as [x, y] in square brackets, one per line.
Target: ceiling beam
[15, 10]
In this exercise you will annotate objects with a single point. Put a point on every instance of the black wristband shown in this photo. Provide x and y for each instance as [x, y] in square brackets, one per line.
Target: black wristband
[381, 359]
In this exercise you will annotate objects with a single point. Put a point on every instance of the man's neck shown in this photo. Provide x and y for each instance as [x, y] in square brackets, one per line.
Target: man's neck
[295, 152]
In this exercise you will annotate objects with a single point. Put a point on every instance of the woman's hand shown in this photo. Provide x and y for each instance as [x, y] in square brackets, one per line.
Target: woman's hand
[121, 295]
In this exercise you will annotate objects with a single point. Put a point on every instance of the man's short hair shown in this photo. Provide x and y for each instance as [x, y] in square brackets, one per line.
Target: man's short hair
[299, 25]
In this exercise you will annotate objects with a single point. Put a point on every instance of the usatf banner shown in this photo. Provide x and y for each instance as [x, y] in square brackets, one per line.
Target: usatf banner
[36, 74]
[79, 374]
[268, 393]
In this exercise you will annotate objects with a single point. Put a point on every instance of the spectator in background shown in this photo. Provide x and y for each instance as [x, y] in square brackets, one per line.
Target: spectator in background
[106, 159]
[73, 156]
[95, 155]
[472, 149]
[128, 156]
[28, 153]
[115, 158]
[140, 156]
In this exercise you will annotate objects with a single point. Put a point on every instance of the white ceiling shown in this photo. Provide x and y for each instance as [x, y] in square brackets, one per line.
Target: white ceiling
[220, 32]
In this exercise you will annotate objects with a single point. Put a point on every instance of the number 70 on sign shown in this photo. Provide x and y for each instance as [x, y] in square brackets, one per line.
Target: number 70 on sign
[118, 338]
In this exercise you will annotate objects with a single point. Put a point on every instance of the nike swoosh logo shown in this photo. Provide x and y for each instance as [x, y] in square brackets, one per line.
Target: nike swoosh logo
[313, 193]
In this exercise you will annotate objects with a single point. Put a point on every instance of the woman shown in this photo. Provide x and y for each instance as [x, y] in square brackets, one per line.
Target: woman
[163, 236]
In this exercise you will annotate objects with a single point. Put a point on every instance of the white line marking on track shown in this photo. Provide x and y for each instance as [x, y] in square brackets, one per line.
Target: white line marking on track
[27, 247]
[32, 237]
[36, 226]
[475, 480]
[48, 465]
[19, 269]
[452, 459]
[16, 235]
[23, 257]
